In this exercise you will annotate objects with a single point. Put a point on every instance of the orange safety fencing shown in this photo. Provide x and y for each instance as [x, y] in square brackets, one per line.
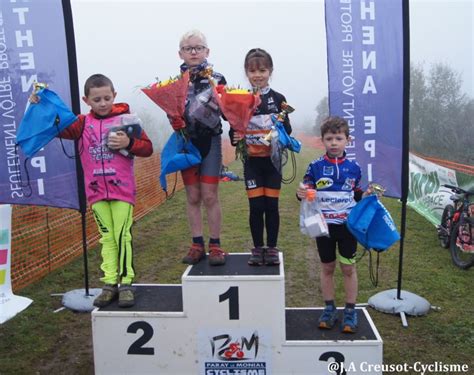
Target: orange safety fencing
[46, 238]
[309, 140]
[463, 168]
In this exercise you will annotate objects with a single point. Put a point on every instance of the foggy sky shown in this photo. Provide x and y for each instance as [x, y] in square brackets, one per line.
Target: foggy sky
[133, 42]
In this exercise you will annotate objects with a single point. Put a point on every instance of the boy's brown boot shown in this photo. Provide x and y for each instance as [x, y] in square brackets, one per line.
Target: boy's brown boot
[195, 254]
[126, 296]
[107, 296]
[216, 255]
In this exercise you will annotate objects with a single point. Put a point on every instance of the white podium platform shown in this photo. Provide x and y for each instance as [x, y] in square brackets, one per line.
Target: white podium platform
[227, 320]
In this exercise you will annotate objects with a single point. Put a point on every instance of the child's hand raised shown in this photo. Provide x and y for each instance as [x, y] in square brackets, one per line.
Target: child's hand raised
[34, 98]
[118, 140]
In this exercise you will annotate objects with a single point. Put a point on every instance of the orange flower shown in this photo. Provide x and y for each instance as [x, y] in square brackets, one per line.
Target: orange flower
[237, 105]
[170, 96]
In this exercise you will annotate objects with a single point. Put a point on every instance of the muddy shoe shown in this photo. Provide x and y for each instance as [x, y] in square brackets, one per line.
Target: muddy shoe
[107, 296]
[272, 257]
[216, 255]
[195, 254]
[256, 259]
[126, 296]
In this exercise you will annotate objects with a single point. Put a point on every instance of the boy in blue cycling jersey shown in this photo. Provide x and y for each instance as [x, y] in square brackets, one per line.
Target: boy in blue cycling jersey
[336, 180]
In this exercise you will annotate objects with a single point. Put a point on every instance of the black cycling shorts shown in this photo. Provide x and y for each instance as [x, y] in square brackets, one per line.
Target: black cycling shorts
[339, 236]
[261, 177]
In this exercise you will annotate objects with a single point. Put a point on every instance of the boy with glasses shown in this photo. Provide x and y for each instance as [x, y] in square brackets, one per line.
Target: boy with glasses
[204, 127]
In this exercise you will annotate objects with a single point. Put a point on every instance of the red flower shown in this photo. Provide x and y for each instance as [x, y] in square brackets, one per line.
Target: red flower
[238, 106]
[170, 96]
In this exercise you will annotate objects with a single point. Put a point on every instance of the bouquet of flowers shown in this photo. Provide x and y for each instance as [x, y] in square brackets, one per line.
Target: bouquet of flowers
[238, 106]
[170, 96]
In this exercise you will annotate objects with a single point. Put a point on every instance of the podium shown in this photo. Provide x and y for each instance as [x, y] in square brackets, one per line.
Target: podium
[227, 320]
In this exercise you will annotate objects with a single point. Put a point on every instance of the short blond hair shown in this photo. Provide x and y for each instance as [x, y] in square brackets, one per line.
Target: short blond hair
[193, 33]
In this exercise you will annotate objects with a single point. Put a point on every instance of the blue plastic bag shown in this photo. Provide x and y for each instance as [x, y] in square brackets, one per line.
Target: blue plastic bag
[42, 122]
[371, 224]
[286, 141]
[177, 155]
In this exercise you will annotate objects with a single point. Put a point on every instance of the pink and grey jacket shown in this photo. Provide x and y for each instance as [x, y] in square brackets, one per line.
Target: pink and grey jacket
[108, 175]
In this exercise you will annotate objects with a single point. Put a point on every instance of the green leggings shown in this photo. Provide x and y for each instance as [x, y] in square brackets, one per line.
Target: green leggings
[115, 219]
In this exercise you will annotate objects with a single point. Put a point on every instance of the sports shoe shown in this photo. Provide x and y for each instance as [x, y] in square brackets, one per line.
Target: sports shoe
[216, 255]
[349, 321]
[328, 318]
[107, 296]
[126, 296]
[195, 254]
[256, 259]
[271, 256]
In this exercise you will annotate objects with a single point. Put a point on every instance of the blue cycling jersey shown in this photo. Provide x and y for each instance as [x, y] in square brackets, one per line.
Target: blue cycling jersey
[336, 180]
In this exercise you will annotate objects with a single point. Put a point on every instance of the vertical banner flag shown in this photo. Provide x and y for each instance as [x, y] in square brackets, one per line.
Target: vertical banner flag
[33, 48]
[365, 70]
[10, 305]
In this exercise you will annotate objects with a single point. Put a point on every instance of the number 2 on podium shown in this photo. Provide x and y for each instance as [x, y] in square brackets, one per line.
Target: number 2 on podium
[232, 294]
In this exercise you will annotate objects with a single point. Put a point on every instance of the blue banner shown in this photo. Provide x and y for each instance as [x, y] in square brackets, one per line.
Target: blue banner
[33, 48]
[365, 70]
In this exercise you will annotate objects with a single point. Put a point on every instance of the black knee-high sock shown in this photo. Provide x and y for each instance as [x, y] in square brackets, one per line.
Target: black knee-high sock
[272, 220]
[257, 209]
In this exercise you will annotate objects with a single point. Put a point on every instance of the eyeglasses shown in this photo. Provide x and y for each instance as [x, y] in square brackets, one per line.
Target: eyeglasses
[197, 49]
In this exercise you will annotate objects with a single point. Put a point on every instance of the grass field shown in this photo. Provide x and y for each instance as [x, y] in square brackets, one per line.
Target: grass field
[39, 341]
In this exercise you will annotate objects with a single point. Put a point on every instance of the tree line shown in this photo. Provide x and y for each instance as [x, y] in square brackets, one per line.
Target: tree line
[441, 115]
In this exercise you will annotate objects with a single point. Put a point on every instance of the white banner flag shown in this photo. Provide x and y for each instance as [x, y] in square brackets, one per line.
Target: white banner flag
[10, 305]
[427, 194]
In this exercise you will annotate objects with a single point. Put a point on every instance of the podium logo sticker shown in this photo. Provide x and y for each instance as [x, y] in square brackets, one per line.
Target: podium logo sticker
[236, 353]
[227, 349]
